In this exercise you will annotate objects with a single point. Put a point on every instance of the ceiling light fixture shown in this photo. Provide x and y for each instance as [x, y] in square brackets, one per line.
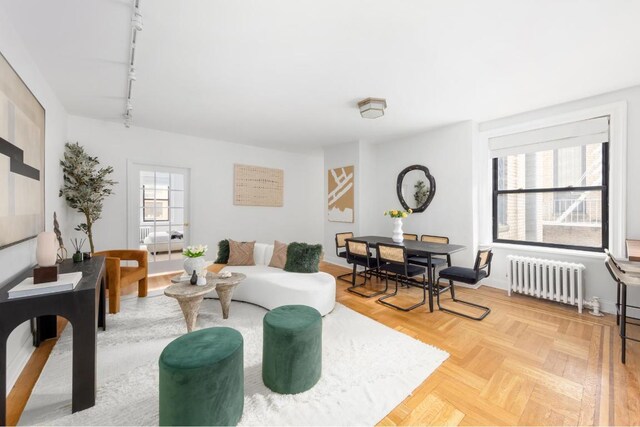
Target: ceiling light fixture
[136, 25]
[372, 108]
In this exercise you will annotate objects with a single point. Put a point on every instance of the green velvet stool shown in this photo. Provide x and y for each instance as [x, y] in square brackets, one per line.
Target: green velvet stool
[292, 349]
[202, 379]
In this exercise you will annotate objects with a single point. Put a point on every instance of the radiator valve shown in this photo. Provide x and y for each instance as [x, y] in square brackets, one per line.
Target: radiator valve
[594, 303]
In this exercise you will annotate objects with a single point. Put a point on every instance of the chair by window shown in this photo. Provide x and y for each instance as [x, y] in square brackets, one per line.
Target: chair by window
[119, 276]
[409, 236]
[471, 276]
[341, 250]
[359, 254]
[625, 266]
[623, 280]
[436, 261]
[393, 259]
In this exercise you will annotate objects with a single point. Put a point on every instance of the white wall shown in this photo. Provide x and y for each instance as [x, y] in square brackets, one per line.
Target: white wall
[446, 152]
[213, 215]
[598, 281]
[19, 257]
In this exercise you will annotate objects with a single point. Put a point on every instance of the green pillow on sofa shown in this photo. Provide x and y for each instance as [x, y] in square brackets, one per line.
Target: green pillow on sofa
[303, 258]
[223, 252]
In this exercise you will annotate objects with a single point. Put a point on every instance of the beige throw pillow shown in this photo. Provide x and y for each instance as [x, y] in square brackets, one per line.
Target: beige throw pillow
[279, 257]
[241, 253]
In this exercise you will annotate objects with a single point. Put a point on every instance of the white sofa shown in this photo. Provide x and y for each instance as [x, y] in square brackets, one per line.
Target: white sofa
[271, 287]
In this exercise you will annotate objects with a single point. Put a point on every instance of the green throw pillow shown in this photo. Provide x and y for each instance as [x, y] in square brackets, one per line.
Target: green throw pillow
[223, 252]
[303, 258]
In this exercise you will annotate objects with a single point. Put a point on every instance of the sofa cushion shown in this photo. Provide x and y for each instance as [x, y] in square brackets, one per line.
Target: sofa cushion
[223, 252]
[279, 257]
[241, 253]
[303, 258]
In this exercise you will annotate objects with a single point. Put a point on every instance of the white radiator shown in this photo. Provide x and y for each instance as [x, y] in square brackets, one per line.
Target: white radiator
[547, 279]
[144, 233]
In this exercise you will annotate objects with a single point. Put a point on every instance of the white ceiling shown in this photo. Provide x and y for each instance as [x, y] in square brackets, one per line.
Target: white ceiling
[288, 73]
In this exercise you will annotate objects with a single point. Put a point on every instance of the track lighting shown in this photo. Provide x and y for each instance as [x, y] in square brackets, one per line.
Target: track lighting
[136, 21]
[132, 74]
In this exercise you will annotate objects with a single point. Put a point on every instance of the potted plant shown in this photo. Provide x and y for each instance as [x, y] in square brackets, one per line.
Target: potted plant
[194, 259]
[397, 216]
[85, 187]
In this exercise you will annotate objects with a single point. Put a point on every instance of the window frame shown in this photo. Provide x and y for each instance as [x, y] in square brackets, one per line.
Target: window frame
[603, 188]
[155, 200]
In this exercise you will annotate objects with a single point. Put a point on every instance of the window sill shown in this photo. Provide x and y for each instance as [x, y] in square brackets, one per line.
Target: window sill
[545, 250]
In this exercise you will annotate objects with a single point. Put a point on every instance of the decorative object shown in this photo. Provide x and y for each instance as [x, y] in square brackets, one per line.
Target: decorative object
[86, 256]
[44, 275]
[303, 258]
[397, 216]
[241, 253]
[77, 246]
[416, 188]
[194, 260]
[119, 276]
[279, 257]
[292, 356]
[372, 108]
[201, 379]
[340, 194]
[223, 252]
[194, 278]
[22, 131]
[258, 186]
[46, 249]
[86, 186]
[190, 297]
[62, 251]
[224, 274]
[358, 386]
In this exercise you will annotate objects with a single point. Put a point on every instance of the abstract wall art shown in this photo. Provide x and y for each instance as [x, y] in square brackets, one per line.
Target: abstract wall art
[258, 186]
[22, 127]
[340, 195]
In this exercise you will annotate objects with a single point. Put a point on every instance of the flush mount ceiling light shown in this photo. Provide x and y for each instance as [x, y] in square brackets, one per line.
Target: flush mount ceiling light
[372, 108]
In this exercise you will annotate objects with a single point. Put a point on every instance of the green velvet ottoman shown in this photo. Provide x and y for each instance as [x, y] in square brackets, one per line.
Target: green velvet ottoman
[202, 379]
[292, 349]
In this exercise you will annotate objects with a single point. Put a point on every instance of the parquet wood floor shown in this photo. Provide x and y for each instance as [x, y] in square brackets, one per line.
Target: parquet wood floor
[530, 362]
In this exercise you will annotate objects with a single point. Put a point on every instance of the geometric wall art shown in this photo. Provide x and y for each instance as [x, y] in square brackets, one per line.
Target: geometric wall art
[258, 186]
[22, 126]
[340, 194]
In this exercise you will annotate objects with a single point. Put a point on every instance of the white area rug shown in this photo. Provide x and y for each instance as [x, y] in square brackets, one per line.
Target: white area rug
[368, 369]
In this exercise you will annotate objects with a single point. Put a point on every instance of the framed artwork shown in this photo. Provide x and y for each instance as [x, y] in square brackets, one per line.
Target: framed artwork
[258, 186]
[340, 196]
[22, 127]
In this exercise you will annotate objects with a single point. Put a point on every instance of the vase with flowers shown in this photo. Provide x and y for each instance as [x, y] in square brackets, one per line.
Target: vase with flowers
[194, 259]
[397, 216]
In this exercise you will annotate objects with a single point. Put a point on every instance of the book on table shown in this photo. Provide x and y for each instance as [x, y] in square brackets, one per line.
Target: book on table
[26, 288]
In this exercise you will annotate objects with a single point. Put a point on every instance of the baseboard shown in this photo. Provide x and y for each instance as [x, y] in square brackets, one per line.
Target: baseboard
[23, 353]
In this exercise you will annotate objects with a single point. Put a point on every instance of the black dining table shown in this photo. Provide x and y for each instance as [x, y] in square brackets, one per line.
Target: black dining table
[416, 247]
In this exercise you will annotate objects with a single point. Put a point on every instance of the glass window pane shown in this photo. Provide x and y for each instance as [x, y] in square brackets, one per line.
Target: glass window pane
[162, 179]
[177, 216]
[572, 166]
[177, 199]
[568, 218]
[177, 181]
[147, 178]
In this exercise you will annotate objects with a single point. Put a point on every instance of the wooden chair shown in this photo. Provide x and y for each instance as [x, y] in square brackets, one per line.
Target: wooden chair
[359, 254]
[341, 250]
[471, 276]
[435, 260]
[120, 276]
[393, 259]
[409, 236]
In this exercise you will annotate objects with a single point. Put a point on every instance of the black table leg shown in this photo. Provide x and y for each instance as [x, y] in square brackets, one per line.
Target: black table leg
[84, 361]
[431, 288]
[46, 328]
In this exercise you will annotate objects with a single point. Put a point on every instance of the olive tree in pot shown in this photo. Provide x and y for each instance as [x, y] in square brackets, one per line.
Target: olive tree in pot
[85, 187]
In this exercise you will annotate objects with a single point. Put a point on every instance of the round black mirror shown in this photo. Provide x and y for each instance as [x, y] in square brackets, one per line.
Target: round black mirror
[416, 188]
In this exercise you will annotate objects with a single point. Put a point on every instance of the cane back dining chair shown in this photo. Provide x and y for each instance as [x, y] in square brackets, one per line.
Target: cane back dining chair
[409, 236]
[623, 280]
[359, 254]
[341, 250]
[393, 259]
[471, 276]
[436, 261]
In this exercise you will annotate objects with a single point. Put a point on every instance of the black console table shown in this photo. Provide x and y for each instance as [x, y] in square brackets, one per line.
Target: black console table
[83, 307]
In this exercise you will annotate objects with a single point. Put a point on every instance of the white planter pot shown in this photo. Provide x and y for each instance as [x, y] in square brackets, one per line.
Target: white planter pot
[397, 230]
[191, 264]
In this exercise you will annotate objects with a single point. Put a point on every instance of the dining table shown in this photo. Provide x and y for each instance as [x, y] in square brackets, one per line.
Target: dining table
[416, 248]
